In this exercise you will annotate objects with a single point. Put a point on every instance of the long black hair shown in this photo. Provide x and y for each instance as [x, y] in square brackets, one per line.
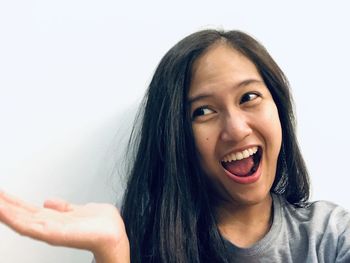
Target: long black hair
[166, 206]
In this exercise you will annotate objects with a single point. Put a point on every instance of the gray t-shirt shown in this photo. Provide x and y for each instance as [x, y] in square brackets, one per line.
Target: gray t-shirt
[319, 232]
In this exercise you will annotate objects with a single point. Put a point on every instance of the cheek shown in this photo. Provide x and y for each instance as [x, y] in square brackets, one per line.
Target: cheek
[204, 137]
[271, 127]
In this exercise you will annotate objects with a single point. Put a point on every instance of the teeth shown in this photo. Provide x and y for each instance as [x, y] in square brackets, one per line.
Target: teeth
[245, 154]
[240, 155]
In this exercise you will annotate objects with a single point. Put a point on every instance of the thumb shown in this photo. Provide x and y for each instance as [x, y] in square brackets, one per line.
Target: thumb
[58, 204]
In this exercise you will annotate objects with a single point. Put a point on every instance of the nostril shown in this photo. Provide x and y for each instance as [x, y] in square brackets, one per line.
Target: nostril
[235, 128]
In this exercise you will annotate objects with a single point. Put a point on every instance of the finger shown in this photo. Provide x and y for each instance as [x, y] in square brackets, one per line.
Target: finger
[58, 204]
[39, 225]
[8, 199]
[16, 218]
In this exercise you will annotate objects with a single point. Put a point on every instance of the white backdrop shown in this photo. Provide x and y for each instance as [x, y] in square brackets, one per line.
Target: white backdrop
[73, 72]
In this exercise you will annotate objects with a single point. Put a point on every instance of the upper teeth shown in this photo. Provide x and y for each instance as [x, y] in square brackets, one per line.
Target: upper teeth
[240, 155]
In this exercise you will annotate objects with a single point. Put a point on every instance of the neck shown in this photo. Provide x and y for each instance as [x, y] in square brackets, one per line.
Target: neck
[245, 224]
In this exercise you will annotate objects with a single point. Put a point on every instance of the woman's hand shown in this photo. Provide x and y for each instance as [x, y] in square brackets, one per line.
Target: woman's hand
[95, 227]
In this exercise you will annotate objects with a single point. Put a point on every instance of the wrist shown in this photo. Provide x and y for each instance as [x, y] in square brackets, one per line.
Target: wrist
[114, 252]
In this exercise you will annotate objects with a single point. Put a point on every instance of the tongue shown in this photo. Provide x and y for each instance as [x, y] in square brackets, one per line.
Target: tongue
[241, 167]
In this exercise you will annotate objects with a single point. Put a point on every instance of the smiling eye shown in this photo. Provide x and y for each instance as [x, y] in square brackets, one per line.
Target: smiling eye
[204, 110]
[249, 97]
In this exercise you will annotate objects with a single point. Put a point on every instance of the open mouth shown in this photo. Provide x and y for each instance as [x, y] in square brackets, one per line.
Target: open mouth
[243, 164]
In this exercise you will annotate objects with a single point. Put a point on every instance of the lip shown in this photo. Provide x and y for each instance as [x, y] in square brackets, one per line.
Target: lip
[248, 179]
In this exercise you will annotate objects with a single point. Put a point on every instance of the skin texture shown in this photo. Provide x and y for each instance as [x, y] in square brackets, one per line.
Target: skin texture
[232, 109]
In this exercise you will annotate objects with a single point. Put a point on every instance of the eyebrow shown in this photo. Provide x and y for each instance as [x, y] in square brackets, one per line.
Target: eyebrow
[209, 94]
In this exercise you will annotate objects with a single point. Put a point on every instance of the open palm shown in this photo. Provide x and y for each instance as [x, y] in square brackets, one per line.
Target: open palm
[89, 226]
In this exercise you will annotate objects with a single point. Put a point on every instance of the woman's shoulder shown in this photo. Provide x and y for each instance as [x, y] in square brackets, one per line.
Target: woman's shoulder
[320, 215]
[323, 225]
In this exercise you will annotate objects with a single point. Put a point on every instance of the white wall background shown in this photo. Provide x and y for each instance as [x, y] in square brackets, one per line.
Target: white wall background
[72, 73]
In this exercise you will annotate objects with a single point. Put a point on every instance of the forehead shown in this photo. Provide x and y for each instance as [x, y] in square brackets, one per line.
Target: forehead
[221, 66]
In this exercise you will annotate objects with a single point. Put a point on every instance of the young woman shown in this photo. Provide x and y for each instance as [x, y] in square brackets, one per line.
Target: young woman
[217, 174]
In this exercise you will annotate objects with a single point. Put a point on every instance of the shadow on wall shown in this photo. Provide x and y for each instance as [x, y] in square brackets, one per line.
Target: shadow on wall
[115, 161]
[101, 162]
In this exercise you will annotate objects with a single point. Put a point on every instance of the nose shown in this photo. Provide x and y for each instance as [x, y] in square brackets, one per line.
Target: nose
[235, 127]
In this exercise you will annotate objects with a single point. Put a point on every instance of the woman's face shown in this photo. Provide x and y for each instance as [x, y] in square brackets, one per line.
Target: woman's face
[236, 126]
